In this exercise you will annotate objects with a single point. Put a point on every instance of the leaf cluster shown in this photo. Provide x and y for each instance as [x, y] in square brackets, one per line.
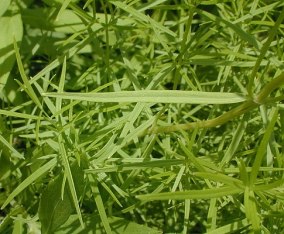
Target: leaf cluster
[141, 116]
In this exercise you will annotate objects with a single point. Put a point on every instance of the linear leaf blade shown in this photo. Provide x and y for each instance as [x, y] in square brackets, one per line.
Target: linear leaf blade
[191, 194]
[46, 167]
[10, 147]
[155, 96]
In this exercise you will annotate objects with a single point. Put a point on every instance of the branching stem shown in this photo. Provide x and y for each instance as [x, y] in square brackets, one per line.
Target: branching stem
[248, 105]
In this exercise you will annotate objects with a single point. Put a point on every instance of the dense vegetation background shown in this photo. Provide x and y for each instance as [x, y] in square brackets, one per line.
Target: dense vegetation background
[75, 163]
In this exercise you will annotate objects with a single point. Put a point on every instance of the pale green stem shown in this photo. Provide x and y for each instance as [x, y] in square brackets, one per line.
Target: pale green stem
[248, 105]
[269, 88]
[264, 50]
[241, 109]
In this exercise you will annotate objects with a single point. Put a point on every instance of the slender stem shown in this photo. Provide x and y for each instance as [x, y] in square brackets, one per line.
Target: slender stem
[263, 51]
[271, 86]
[241, 109]
[248, 105]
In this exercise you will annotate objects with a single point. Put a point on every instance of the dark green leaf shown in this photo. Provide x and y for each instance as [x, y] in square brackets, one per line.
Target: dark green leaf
[53, 210]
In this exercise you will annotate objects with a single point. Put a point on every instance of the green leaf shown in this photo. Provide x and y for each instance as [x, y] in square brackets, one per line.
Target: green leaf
[63, 7]
[4, 4]
[264, 49]
[127, 227]
[99, 203]
[11, 27]
[263, 146]
[93, 225]
[154, 163]
[235, 142]
[155, 96]
[28, 87]
[18, 226]
[236, 28]
[53, 210]
[142, 18]
[218, 177]
[5, 164]
[231, 227]
[70, 178]
[10, 147]
[251, 209]
[19, 115]
[29, 180]
[191, 194]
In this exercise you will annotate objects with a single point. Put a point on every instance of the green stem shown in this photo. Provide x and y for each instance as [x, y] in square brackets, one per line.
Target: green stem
[241, 109]
[270, 87]
[248, 105]
[263, 51]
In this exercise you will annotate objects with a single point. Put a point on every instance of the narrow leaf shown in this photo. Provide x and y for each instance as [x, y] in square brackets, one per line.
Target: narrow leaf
[10, 147]
[155, 96]
[100, 204]
[19, 115]
[263, 146]
[70, 178]
[39, 172]
[191, 194]
[26, 81]
[251, 210]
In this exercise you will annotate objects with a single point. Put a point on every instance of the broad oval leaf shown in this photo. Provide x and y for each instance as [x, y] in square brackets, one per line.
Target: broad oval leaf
[4, 4]
[55, 209]
[11, 28]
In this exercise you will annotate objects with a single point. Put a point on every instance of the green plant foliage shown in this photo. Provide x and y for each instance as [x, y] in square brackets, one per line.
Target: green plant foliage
[11, 29]
[56, 204]
[154, 116]
[118, 224]
[54, 209]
